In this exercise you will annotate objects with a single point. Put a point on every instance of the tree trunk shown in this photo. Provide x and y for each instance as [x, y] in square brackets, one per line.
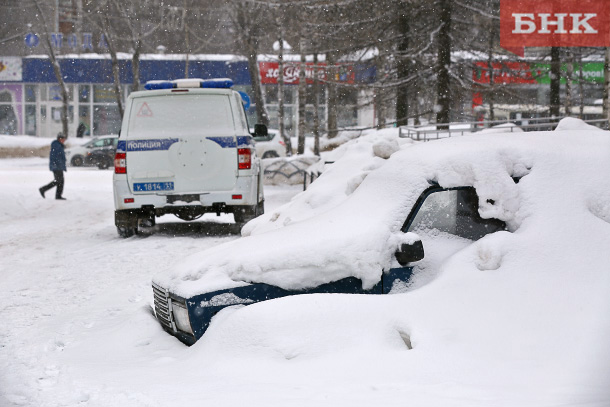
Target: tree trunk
[302, 100]
[555, 97]
[607, 86]
[443, 92]
[280, 96]
[581, 89]
[379, 98]
[255, 80]
[57, 71]
[135, 65]
[331, 96]
[569, 76]
[316, 106]
[403, 71]
[115, 67]
[490, 96]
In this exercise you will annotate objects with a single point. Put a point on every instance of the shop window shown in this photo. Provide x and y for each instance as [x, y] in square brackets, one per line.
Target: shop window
[321, 95]
[84, 117]
[106, 120]
[347, 96]
[30, 120]
[30, 93]
[53, 93]
[84, 93]
[104, 94]
[56, 114]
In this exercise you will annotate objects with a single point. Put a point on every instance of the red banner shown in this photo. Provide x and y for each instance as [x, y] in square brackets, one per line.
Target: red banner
[554, 23]
[504, 73]
[270, 72]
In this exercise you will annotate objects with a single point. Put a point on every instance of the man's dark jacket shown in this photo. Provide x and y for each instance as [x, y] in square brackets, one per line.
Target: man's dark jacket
[57, 158]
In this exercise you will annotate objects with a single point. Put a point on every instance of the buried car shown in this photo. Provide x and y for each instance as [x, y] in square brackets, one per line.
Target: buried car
[402, 219]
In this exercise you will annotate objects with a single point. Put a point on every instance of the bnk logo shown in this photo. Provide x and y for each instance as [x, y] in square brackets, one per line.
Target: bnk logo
[554, 23]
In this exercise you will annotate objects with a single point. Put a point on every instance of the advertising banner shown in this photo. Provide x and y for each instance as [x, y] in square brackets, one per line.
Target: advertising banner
[10, 69]
[554, 23]
[534, 73]
[270, 72]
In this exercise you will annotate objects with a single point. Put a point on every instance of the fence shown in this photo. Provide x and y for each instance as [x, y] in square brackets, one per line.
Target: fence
[444, 130]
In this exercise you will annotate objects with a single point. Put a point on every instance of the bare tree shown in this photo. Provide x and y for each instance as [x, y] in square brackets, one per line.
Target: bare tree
[606, 98]
[249, 20]
[46, 32]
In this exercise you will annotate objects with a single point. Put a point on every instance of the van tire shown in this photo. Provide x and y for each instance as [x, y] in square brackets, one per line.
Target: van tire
[126, 232]
[246, 214]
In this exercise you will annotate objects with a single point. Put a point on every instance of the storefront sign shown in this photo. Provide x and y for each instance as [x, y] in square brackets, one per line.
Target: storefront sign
[10, 69]
[554, 23]
[524, 73]
[74, 42]
[270, 72]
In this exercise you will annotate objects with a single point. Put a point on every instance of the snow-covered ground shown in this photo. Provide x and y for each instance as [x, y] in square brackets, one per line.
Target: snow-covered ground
[76, 324]
[515, 319]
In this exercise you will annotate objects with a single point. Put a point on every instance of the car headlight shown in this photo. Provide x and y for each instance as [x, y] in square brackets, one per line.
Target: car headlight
[181, 317]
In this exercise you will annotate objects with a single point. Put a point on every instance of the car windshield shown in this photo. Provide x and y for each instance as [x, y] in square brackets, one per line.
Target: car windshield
[192, 114]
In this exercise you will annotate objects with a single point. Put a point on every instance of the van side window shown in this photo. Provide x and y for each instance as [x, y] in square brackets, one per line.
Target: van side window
[242, 114]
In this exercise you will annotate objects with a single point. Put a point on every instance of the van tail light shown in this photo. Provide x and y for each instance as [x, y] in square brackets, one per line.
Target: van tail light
[244, 158]
[120, 163]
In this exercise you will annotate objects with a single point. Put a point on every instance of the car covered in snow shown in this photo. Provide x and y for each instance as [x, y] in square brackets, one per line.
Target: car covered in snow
[377, 225]
[388, 227]
[185, 149]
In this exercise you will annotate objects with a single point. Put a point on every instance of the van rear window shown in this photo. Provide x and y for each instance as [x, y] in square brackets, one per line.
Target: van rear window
[186, 114]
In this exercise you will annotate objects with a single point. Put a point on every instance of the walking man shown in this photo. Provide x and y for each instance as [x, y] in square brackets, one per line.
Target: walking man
[57, 164]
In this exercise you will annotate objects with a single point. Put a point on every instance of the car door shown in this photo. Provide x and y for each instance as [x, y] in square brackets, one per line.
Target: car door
[447, 220]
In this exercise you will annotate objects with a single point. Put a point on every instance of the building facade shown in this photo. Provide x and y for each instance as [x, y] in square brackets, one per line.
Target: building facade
[30, 97]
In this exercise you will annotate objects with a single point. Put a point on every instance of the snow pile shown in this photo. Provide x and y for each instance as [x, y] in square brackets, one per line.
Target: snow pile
[23, 141]
[516, 318]
[7, 141]
[343, 170]
[357, 236]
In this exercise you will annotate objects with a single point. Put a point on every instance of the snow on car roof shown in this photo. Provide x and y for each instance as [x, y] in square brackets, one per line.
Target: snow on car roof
[357, 234]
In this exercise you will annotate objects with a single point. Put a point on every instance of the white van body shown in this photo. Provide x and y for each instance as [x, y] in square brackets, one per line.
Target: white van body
[185, 151]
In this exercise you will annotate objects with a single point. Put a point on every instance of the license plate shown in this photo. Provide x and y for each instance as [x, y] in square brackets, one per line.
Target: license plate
[153, 186]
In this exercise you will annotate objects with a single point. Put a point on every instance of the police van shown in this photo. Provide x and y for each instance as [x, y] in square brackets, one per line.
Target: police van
[185, 149]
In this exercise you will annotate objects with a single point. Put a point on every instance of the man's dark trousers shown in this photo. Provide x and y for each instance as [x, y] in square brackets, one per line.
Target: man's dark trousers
[57, 182]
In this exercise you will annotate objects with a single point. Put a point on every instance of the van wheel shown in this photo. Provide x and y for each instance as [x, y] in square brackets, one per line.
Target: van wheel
[245, 215]
[126, 232]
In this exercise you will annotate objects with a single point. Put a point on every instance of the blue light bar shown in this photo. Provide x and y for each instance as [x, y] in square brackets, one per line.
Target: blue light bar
[224, 83]
[154, 85]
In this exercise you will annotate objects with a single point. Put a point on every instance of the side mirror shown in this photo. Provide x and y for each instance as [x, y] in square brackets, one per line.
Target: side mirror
[409, 253]
[260, 130]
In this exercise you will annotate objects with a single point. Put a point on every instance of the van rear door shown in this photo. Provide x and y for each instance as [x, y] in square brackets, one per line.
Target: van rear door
[181, 143]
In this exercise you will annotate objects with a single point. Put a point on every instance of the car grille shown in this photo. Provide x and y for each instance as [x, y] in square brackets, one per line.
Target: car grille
[163, 306]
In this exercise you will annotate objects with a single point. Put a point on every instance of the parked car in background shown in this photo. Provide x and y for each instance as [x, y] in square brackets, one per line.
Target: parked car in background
[102, 157]
[82, 155]
[270, 145]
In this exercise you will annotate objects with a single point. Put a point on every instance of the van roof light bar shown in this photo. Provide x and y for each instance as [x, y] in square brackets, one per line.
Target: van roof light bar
[221, 83]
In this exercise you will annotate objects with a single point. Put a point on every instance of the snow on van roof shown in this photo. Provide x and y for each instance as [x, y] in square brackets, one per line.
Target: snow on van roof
[358, 232]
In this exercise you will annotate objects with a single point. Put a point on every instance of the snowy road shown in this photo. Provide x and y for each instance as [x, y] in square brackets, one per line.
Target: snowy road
[74, 297]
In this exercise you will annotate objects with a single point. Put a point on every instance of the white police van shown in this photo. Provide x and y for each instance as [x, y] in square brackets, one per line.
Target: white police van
[185, 149]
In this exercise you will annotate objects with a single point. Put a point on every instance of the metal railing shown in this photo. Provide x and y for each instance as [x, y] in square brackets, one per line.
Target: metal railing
[444, 130]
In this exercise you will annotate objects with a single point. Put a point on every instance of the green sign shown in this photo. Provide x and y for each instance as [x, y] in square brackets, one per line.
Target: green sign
[591, 72]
